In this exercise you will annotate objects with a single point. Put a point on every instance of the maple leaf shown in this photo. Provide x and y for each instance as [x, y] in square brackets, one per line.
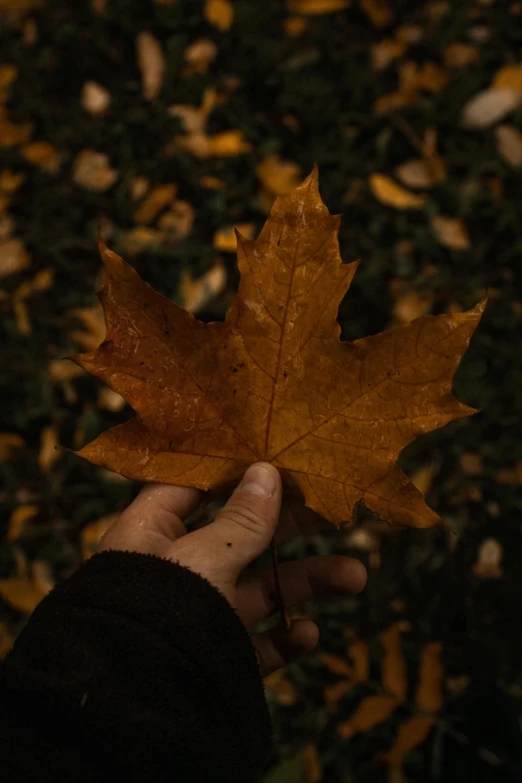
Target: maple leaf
[274, 382]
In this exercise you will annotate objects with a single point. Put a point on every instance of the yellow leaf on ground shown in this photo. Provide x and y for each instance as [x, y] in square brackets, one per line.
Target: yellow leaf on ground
[43, 154]
[219, 13]
[110, 400]
[196, 294]
[278, 176]
[13, 257]
[61, 370]
[225, 238]
[370, 711]
[488, 565]
[509, 144]
[411, 305]
[423, 478]
[458, 55]
[410, 734]
[91, 170]
[157, 200]
[390, 193]
[11, 446]
[142, 238]
[94, 324]
[199, 55]
[295, 26]
[489, 106]
[378, 11]
[419, 173]
[22, 594]
[12, 134]
[212, 182]
[384, 52]
[139, 187]
[8, 71]
[428, 697]
[335, 664]
[314, 7]
[48, 454]
[222, 145]
[312, 769]
[451, 232]
[509, 78]
[394, 675]
[332, 694]
[177, 222]
[93, 533]
[151, 64]
[9, 181]
[95, 99]
[19, 516]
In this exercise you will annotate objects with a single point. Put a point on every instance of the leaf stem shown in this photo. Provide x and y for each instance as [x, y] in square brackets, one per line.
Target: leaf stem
[286, 620]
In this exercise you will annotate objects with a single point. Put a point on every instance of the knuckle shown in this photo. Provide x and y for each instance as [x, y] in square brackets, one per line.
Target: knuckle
[246, 516]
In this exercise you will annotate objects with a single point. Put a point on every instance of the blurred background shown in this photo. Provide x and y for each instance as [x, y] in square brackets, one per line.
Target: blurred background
[167, 123]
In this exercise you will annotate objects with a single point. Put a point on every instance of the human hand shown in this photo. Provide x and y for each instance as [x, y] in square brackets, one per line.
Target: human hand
[220, 551]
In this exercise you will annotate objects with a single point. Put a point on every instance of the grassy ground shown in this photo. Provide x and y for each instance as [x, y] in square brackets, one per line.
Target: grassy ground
[296, 89]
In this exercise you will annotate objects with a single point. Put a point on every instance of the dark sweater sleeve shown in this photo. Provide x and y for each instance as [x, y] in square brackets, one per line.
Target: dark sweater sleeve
[137, 668]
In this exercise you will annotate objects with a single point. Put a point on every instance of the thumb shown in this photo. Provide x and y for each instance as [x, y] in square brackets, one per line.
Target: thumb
[249, 519]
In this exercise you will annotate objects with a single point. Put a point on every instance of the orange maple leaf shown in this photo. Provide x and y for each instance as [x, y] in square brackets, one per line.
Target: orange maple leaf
[274, 382]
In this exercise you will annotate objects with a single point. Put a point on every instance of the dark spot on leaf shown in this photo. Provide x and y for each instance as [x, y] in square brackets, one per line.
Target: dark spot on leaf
[234, 369]
[285, 373]
[235, 390]
[242, 364]
[228, 544]
[142, 362]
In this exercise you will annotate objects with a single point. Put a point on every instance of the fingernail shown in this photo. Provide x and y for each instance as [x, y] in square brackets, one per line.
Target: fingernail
[259, 480]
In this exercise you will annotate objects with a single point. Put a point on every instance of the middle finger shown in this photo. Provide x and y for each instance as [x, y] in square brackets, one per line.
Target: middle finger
[312, 579]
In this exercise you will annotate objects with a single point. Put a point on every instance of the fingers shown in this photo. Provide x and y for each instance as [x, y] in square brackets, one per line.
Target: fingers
[277, 648]
[312, 579]
[155, 514]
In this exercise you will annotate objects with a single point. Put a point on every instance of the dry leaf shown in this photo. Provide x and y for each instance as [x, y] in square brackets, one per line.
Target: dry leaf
[139, 187]
[12, 446]
[219, 13]
[222, 145]
[142, 238]
[43, 154]
[299, 397]
[390, 193]
[384, 52]
[509, 78]
[488, 565]
[312, 769]
[423, 478]
[12, 134]
[199, 55]
[509, 144]
[394, 674]
[471, 464]
[177, 222]
[91, 170]
[335, 664]
[428, 697]
[157, 200]
[378, 11]
[212, 182]
[451, 232]
[411, 305]
[278, 176]
[17, 520]
[410, 734]
[196, 294]
[95, 99]
[48, 454]
[94, 532]
[458, 55]
[295, 26]
[110, 400]
[94, 323]
[316, 7]
[370, 711]
[151, 64]
[225, 238]
[419, 173]
[489, 106]
[9, 181]
[22, 594]
[13, 257]
[61, 370]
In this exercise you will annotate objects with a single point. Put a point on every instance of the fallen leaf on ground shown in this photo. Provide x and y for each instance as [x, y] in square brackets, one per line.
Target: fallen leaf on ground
[22, 594]
[316, 7]
[278, 176]
[199, 55]
[428, 696]
[139, 187]
[176, 223]
[225, 238]
[12, 446]
[278, 357]
[384, 52]
[451, 232]
[312, 769]
[276, 684]
[509, 78]
[221, 145]
[423, 478]
[196, 294]
[9, 181]
[12, 134]
[13, 257]
[411, 305]
[151, 64]
[459, 55]
[95, 99]
[219, 13]
[371, 711]
[17, 520]
[158, 199]
[295, 26]
[142, 238]
[378, 11]
[48, 454]
[394, 674]
[489, 560]
[509, 144]
[489, 106]
[94, 324]
[212, 182]
[91, 170]
[410, 734]
[419, 173]
[42, 154]
[390, 193]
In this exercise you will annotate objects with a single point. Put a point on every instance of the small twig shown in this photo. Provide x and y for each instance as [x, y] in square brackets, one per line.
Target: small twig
[286, 620]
